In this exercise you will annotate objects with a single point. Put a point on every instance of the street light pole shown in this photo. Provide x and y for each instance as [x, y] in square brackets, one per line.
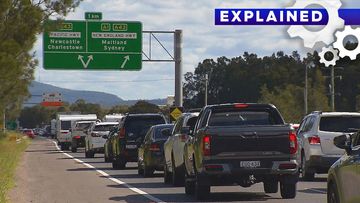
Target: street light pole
[306, 91]
[206, 88]
[332, 88]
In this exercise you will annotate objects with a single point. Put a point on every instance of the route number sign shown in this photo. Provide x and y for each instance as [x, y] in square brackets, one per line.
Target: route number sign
[93, 45]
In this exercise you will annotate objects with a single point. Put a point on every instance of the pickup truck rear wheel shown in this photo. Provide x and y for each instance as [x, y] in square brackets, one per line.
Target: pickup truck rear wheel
[73, 149]
[202, 191]
[288, 191]
[189, 185]
[271, 186]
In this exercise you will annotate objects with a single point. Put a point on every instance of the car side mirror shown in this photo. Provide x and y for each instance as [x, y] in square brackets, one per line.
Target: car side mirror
[343, 142]
[166, 132]
[185, 130]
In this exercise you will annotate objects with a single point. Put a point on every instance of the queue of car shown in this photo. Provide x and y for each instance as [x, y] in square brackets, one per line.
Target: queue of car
[233, 143]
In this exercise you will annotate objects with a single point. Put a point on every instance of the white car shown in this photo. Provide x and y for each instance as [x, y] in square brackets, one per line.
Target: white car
[95, 140]
[316, 133]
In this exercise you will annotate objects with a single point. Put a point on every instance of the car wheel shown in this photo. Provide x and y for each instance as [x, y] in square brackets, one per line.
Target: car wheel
[288, 191]
[177, 178]
[107, 159]
[305, 174]
[148, 172]
[189, 185]
[140, 169]
[167, 175]
[271, 186]
[73, 149]
[62, 146]
[202, 191]
[332, 194]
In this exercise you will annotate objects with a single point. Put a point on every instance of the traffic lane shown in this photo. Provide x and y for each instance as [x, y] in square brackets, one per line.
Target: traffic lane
[312, 191]
[44, 175]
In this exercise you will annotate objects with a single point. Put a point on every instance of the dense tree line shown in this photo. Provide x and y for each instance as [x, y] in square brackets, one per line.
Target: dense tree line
[20, 23]
[35, 116]
[277, 79]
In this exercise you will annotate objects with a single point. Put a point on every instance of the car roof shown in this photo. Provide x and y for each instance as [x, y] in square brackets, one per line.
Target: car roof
[163, 125]
[145, 114]
[323, 114]
[107, 123]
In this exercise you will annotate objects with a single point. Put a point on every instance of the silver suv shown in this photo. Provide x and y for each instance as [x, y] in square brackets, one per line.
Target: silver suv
[315, 136]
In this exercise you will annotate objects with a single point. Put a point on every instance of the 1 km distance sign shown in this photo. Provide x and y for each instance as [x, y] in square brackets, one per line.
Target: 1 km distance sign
[93, 45]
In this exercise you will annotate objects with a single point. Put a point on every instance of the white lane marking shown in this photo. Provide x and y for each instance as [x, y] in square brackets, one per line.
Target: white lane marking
[132, 188]
[315, 190]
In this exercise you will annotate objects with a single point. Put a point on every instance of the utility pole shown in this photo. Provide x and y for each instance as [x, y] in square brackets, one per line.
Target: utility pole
[206, 88]
[306, 91]
[178, 68]
[332, 88]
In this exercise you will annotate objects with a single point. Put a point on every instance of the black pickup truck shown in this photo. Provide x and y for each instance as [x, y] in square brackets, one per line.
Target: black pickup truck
[241, 144]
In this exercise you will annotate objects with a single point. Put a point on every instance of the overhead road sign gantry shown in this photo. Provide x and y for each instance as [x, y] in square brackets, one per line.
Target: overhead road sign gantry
[93, 45]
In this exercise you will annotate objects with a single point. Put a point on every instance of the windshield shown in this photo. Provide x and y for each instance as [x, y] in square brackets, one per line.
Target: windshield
[103, 127]
[238, 118]
[65, 125]
[138, 126]
[340, 123]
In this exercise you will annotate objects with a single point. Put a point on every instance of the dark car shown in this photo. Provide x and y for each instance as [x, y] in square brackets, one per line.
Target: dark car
[344, 174]
[151, 151]
[108, 155]
[241, 144]
[132, 130]
[174, 170]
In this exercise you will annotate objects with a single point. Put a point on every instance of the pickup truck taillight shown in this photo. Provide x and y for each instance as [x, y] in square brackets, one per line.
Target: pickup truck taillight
[206, 145]
[154, 147]
[293, 142]
[183, 137]
[122, 133]
[314, 140]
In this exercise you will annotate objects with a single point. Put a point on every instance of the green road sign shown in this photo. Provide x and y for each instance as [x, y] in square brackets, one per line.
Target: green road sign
[93, 15]
[93, 45]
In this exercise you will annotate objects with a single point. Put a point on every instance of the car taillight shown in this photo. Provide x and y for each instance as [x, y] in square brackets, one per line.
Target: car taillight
[77, 137]
[314, 140]
[293, 142]
[154, 147]
[122, 133]
[206, 145]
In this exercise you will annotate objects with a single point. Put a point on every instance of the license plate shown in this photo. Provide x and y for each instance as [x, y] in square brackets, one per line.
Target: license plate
[249, 164]
[131, 146]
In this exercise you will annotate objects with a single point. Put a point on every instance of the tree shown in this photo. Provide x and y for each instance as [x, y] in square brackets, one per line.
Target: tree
[20, 22]
[144, 107]
[87, 108]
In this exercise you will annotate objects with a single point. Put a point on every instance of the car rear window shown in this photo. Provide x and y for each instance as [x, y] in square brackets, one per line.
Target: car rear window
[243, 117]
[103, 127]
[65, 125]
[339, 123]
[82, 126]
[138, 126]
[159, 135]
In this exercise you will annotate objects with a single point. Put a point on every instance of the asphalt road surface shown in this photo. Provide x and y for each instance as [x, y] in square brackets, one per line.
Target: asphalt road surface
[48, 175]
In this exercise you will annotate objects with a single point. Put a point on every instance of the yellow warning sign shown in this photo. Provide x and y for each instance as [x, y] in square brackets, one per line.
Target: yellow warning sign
[175, 113]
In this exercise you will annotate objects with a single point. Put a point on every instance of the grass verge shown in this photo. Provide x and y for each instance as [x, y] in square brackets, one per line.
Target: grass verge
[12, 145]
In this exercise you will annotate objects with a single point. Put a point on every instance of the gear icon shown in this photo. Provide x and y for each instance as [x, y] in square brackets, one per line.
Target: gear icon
[340, 36]
[326, 34]
[335, 57]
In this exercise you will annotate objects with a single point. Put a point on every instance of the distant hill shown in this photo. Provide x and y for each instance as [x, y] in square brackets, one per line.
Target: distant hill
[105, 99]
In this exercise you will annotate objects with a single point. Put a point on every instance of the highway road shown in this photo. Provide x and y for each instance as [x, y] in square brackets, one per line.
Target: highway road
[48, 175]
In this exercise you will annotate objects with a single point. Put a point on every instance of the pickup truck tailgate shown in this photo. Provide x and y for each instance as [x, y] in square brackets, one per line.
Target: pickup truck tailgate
[248, 142]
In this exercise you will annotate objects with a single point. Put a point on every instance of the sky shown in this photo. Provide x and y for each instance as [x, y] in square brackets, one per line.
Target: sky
[201, 40]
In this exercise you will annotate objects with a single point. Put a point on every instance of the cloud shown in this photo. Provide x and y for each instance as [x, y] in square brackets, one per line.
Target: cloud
[201, 40]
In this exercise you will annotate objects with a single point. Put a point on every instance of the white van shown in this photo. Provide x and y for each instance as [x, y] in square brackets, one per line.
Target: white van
[64, 124]
[96, 138]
